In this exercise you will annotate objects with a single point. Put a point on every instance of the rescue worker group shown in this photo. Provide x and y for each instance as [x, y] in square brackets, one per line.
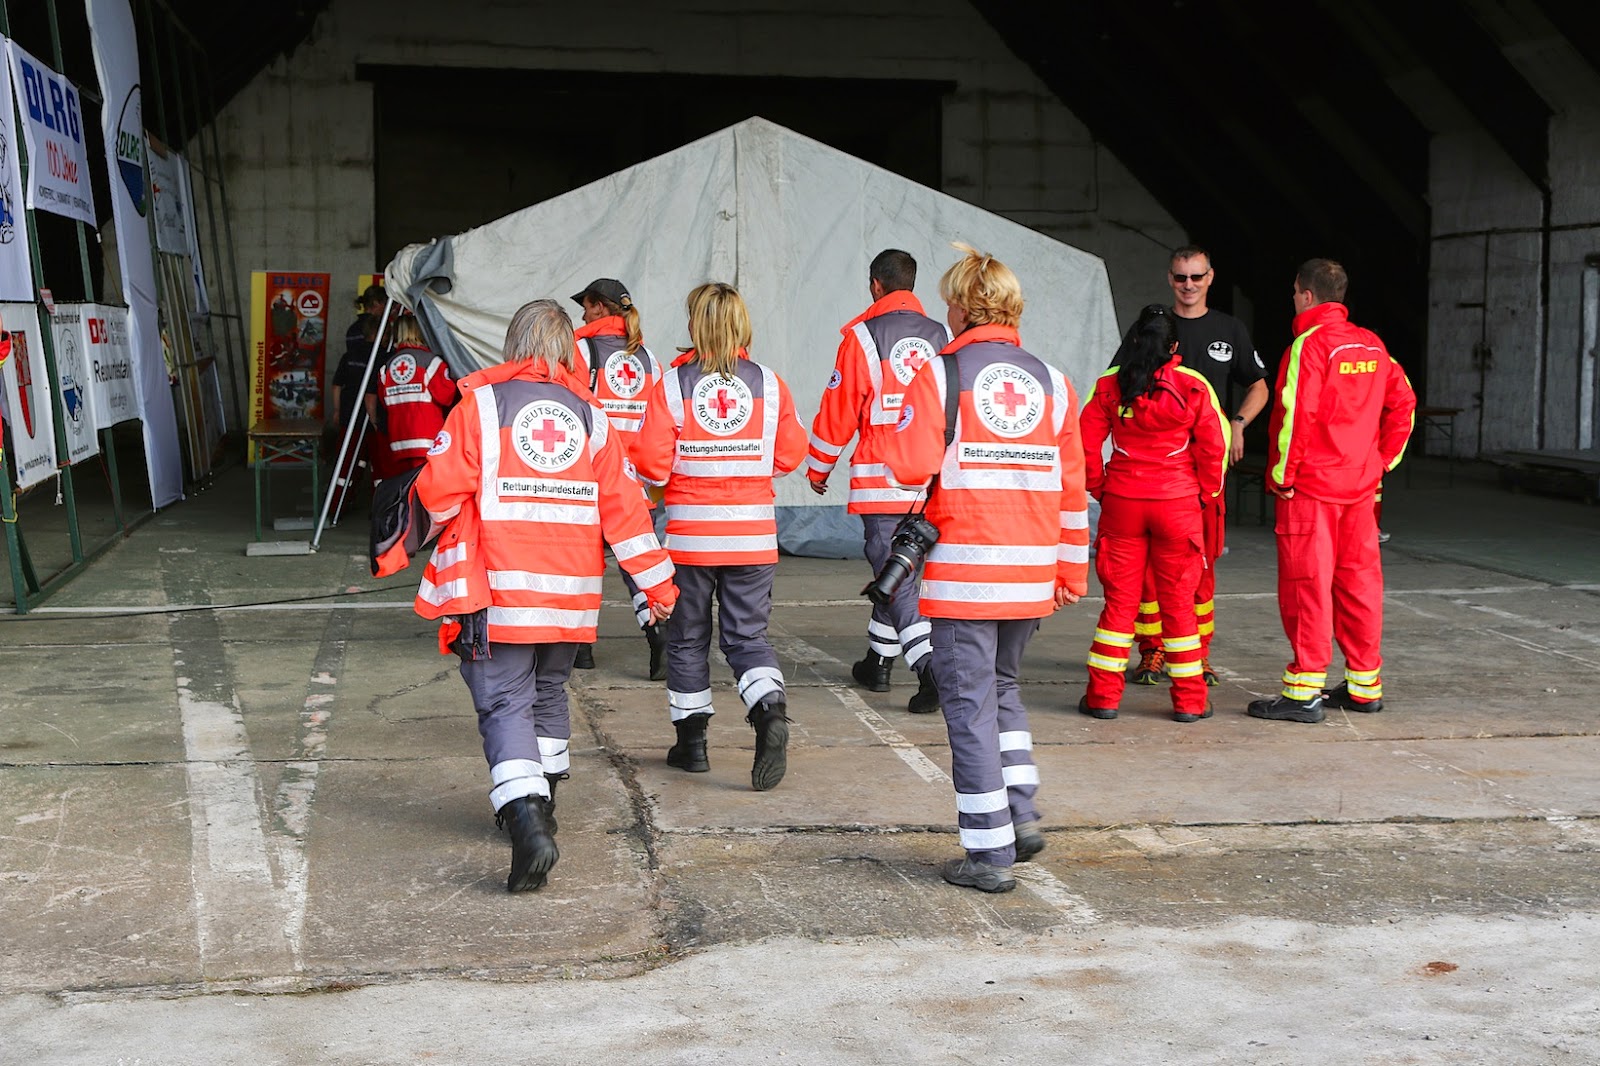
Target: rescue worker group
[972, 473]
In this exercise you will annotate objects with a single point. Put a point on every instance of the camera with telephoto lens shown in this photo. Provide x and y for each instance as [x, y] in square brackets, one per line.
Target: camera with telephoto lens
[909, 546]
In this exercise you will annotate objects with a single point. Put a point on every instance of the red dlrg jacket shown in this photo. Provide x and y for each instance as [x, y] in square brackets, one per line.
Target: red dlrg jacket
[1170, 443]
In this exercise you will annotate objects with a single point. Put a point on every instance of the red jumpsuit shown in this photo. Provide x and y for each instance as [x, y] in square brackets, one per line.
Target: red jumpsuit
[416, 392]
[1341, 419]
[1168, 452]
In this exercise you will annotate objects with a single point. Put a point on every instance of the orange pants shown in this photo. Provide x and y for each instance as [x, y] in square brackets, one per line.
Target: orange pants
[1163, 537]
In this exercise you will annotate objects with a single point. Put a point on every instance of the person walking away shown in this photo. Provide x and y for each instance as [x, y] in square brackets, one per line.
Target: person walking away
[1343, 413]
[1013, 547]
[1218, 346]
[622, 372]
[718, 428]
[414, 391]
[530, 479]
[1169, 445]
[882, 350]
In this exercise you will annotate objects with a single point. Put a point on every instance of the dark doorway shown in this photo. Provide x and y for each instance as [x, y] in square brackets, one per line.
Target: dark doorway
[456, 148]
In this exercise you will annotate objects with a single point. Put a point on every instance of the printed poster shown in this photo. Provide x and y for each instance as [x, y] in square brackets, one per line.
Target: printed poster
[72, 384]
[27, 389]
[16, 268]
[52, 126]
[174, 213]
[288, 344]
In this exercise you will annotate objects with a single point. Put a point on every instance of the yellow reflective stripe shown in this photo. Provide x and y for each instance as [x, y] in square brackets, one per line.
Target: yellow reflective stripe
[1302, 692]
[1410, 429]
[1361, 677]
[1175, 644]
[1116, 640]
[1111, 372]
[1291, 388]
[1366, 692]
[1207, 628]
[1208, 607]
[1305, 680]
[1105, 662]
[1147, 629]
[1183, 669]
[1222, 422]
[1150, 608]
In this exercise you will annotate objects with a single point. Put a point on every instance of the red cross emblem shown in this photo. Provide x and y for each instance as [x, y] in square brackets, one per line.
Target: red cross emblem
[724, 403]
[549, 436]
[626, 372]
[917, 359]
[1010, 399]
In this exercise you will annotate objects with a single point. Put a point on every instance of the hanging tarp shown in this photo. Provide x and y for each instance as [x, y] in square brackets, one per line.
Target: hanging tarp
[790, 221]
[16, 268]
[116, 58]
[52, 125]
[27, 393]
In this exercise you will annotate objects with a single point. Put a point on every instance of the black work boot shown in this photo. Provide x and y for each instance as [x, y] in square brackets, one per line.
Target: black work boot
[584, 660]
[689, 753]
[1284, 709]
[872, 673]
[552, 780]
[926, 701]
[657, 636]
[533, 843]
[1340, 698]
[771, 722]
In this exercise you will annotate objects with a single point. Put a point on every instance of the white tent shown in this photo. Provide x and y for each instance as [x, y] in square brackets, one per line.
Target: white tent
[793, 224]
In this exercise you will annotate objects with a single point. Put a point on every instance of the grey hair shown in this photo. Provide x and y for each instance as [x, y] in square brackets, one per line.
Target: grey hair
[541, 330]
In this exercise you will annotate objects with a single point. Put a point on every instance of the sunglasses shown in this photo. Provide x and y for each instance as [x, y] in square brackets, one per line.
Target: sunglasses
[1196, 278]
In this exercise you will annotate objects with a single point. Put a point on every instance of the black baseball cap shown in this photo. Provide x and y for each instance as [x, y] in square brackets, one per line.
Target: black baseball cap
[608, 289]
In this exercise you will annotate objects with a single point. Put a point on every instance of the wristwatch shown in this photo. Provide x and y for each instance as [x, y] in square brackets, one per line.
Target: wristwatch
[1239, 419]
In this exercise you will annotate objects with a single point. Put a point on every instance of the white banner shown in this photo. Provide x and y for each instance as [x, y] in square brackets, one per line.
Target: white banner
[27, 388]
[171, 198]
[116, 57]
[16, 269]
[104, 341]
[52, 124]
[72, 384]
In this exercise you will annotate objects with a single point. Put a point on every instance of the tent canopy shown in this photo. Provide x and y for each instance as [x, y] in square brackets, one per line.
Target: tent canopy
[793, 224]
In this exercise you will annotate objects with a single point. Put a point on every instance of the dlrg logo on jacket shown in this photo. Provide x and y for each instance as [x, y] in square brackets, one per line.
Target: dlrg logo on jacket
[547, 435]
[1359, 366]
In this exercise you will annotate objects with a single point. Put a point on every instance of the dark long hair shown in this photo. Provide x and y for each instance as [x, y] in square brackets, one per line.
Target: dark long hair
[1146, 348]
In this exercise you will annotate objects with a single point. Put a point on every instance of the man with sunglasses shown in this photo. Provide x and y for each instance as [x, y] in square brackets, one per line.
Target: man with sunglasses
[1217, 346]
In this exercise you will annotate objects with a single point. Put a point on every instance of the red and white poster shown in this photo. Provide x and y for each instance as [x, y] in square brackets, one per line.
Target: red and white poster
[27, 391]
[289, 343]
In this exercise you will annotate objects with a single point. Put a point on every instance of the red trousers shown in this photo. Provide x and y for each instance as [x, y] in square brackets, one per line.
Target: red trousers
[1330, 587]
[1165, 538]
[1148, 625]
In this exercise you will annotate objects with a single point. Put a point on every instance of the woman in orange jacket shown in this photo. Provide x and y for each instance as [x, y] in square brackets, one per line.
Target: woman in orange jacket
[1169, 445]
[718, 428]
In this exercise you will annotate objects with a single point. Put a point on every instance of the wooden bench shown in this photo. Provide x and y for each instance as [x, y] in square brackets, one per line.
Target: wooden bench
[279, 443]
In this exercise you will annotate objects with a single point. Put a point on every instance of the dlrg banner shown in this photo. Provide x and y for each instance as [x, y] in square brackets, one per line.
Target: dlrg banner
[27, 390]
[52, 123]
[16, 269]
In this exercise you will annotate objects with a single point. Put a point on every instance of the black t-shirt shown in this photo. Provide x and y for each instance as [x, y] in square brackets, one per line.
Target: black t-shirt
[1218, 346]
[352, 365]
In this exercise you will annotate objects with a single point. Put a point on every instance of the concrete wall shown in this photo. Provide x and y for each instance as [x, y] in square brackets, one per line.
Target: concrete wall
[1487, 249]
[297, 143]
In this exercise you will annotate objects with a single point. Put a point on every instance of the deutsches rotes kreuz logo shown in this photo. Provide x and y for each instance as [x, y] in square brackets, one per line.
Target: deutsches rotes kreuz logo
[403, 369]
[1221, 351]
[547, 435]
[907, 357]
[1009, 400]
[625, 374]
[722, 405]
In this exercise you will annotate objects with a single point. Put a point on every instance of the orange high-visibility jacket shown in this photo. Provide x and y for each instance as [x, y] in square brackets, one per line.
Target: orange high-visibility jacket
[623, 382]
[1168, 444]
[529, 476]
[416, 390]
[881, 352]
[718, 442]
[1010, 506]
[1344, 409]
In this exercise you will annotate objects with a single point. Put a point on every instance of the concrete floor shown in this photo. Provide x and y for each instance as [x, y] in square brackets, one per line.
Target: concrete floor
[207, 814]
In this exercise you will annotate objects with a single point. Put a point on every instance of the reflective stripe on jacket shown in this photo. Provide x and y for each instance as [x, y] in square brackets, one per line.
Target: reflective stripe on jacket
[529, 476]
[881, 352]
[1013, 520]
[717, 442]
[415, 389]
[624, 382]
[1343, 411]
[1168, 444]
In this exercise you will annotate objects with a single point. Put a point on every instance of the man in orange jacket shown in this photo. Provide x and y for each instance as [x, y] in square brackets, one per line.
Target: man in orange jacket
[1341, 420]
[882, 350]
[529, 476]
